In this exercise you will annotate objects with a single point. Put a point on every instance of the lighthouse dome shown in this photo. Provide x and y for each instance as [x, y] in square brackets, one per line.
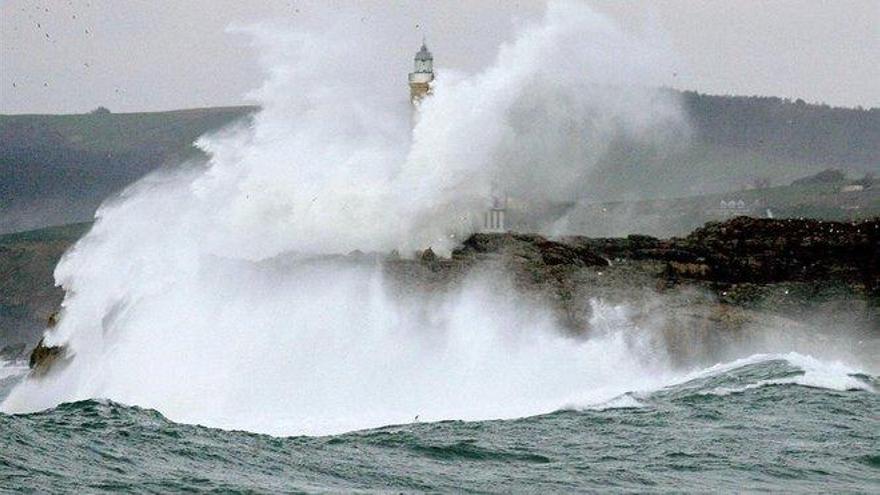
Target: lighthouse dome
[424, 53]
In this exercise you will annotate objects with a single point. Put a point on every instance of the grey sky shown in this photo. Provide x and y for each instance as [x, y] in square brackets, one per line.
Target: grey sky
[71, 56]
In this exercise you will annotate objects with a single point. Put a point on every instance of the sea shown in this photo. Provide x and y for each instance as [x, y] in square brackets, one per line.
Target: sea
[783, 423]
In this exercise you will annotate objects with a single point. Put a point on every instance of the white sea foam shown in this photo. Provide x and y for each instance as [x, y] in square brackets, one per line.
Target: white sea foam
[808, 371]
[815, 373]
[174, 301]
[191, 295]
[341, 354]
[625, 401]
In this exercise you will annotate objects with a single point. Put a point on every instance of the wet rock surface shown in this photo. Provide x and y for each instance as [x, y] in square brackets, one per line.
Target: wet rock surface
[769, 251]
[714, 286]
[43, 357]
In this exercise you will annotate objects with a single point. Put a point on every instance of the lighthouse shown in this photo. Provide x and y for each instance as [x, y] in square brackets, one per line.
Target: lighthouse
[422, 75]
[420, 79]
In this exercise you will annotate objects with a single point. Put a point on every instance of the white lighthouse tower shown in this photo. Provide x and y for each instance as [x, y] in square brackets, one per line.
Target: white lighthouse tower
[420, 79]
[422, 75]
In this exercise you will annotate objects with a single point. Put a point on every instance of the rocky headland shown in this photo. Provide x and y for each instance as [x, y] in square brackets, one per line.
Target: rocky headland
[711, 287]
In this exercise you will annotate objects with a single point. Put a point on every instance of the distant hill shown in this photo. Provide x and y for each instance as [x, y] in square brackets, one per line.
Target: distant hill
[739, 142]
[789, 130]
[835, 200]
[56, 169]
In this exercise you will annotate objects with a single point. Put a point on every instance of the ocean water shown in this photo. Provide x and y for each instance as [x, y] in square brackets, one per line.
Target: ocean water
[779, 423]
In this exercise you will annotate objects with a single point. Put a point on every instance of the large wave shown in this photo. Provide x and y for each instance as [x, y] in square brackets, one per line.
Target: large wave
[198, 292]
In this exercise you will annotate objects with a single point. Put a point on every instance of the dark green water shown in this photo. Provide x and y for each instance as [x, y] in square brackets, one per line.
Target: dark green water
[755, 427]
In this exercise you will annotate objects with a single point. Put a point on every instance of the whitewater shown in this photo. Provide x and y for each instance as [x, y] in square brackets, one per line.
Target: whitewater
[216, 339]
[761, 423]
[202, 291]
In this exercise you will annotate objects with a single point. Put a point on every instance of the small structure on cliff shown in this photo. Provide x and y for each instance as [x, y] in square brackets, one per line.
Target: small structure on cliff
[495, 218]
[734, 208]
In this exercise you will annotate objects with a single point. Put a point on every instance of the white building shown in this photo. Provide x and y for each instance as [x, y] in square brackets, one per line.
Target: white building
[494, 219]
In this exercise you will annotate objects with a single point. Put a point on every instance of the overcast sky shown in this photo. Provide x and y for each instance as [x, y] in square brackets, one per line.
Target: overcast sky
[71, 56]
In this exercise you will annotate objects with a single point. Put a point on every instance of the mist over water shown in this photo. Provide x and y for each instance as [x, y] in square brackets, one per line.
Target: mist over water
[197, 293]
[338, 353]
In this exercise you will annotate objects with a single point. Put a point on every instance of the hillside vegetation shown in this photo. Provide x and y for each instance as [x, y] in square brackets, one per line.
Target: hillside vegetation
[56, 169]
[791, 131]
[678, 216]
[738, 142]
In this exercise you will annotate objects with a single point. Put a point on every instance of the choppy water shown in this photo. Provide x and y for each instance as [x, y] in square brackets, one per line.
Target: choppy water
[777, 423]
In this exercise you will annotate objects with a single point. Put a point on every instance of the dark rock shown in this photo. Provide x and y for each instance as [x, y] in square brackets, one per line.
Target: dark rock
[770, 251]
[530, 247]
[52, 321]
[428, 256]
[43, 357]
[638, 241]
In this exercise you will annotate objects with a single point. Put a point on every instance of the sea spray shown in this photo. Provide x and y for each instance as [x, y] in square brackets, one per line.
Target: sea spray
[175, 300]
[337, 353]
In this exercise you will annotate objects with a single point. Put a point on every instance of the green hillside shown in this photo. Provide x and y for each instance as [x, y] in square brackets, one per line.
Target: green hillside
[117, 133]
[738, 142]
[678, 216]
[56, 169]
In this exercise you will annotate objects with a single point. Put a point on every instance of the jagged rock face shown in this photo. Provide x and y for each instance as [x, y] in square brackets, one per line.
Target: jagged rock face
[531, 248]
[762, 252]
[781, 266]
[768, 251]
[43, 357]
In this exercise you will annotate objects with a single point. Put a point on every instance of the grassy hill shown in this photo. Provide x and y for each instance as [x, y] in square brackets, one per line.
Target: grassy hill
[737, 142]
[678, 216]
[790, 130]
[56, 169]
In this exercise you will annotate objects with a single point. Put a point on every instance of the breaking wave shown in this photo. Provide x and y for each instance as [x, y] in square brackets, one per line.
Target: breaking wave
[193, 292]
[213, 294]
[825, 437]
